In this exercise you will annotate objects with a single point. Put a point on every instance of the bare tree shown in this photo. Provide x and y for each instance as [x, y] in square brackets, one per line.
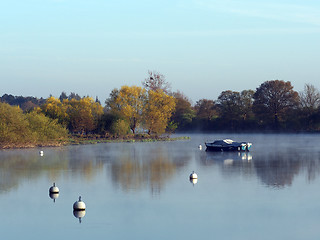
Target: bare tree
[156, 81]
[310, 97]
[309, 105]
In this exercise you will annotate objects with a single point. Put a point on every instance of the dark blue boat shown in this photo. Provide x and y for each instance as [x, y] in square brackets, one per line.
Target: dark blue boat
[227, 145]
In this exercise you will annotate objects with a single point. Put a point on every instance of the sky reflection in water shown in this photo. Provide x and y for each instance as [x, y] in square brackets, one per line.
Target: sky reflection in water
[142, 190]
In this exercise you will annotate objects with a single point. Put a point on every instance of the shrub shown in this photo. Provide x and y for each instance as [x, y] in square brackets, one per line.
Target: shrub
[44, 128]
[120, 128]
[14, 127]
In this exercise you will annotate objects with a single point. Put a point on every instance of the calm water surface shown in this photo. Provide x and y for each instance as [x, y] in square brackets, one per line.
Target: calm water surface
[142, 190]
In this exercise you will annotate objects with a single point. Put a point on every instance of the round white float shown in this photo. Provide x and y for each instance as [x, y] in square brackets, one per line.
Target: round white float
[193, 175]
[200, 147]
[41, 153]
[193, 180]
[54, 189]
[79, 205]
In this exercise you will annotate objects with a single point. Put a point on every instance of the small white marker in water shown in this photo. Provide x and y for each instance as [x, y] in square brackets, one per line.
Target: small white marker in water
[193, 175]
[200, 147]
[41, 153]
[79, 205]
[54, 189]
[54, 192]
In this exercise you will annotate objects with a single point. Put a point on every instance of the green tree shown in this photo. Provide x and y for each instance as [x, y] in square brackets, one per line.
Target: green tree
[246, 101]
[120, 128]
[63, 96]
[205, 109]
[273, 101]
[112, 106]
[14, 127]
[45, 129]
[184, 113]
[229, 105]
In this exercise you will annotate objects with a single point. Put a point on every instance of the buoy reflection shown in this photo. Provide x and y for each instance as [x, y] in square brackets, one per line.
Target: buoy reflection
[193, 181]
[53, 196]
[79, 214]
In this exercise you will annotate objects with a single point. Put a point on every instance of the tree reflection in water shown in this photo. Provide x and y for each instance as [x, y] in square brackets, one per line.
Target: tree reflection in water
[134, 169]
[274, 168]
[140, 166]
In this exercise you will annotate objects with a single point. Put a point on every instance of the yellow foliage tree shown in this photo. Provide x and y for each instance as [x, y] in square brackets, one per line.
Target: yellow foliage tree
[130, 102]
[54, 109]
[158, 110]
[83, 114]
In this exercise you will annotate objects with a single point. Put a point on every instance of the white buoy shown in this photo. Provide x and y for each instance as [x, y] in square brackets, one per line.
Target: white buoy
[54, 189]
[200, 147]
[79, 205]
[193, 175]
[54, 192]
[41, 153]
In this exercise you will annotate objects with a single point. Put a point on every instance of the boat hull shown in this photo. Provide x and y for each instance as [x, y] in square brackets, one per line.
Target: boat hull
[219, 146]
[224, 148]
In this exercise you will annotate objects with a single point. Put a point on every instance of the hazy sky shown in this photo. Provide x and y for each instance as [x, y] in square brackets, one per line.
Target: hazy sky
[202, 47]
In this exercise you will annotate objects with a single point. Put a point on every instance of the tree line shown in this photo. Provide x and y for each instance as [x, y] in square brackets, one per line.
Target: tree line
[154, 109]
[273, 106]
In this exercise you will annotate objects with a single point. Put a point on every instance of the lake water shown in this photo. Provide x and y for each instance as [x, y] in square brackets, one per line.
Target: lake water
[142, 190]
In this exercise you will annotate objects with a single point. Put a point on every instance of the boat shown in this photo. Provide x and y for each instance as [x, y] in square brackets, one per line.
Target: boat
[227, 145]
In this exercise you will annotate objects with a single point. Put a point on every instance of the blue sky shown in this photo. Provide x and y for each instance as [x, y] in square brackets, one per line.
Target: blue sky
[203, 47]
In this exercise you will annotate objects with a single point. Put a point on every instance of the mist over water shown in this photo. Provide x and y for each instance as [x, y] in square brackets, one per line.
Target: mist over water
[142, 190]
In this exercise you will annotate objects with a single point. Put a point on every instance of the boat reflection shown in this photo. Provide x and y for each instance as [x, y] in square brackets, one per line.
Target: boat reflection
[228, 158]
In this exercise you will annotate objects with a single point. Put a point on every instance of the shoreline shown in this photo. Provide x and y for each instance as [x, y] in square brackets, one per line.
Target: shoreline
[92, 139]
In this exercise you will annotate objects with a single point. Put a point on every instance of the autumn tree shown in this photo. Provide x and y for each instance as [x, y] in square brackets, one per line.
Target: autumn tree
[184, 113]
[158, 110]
[156, 81]
[129, 102]
[273, 100]
[206, 114]
[83, 114]
[27, 129]
[55, 109]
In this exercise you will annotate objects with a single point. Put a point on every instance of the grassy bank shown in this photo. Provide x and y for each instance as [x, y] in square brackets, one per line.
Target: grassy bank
[91, 139]
[94, 139]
